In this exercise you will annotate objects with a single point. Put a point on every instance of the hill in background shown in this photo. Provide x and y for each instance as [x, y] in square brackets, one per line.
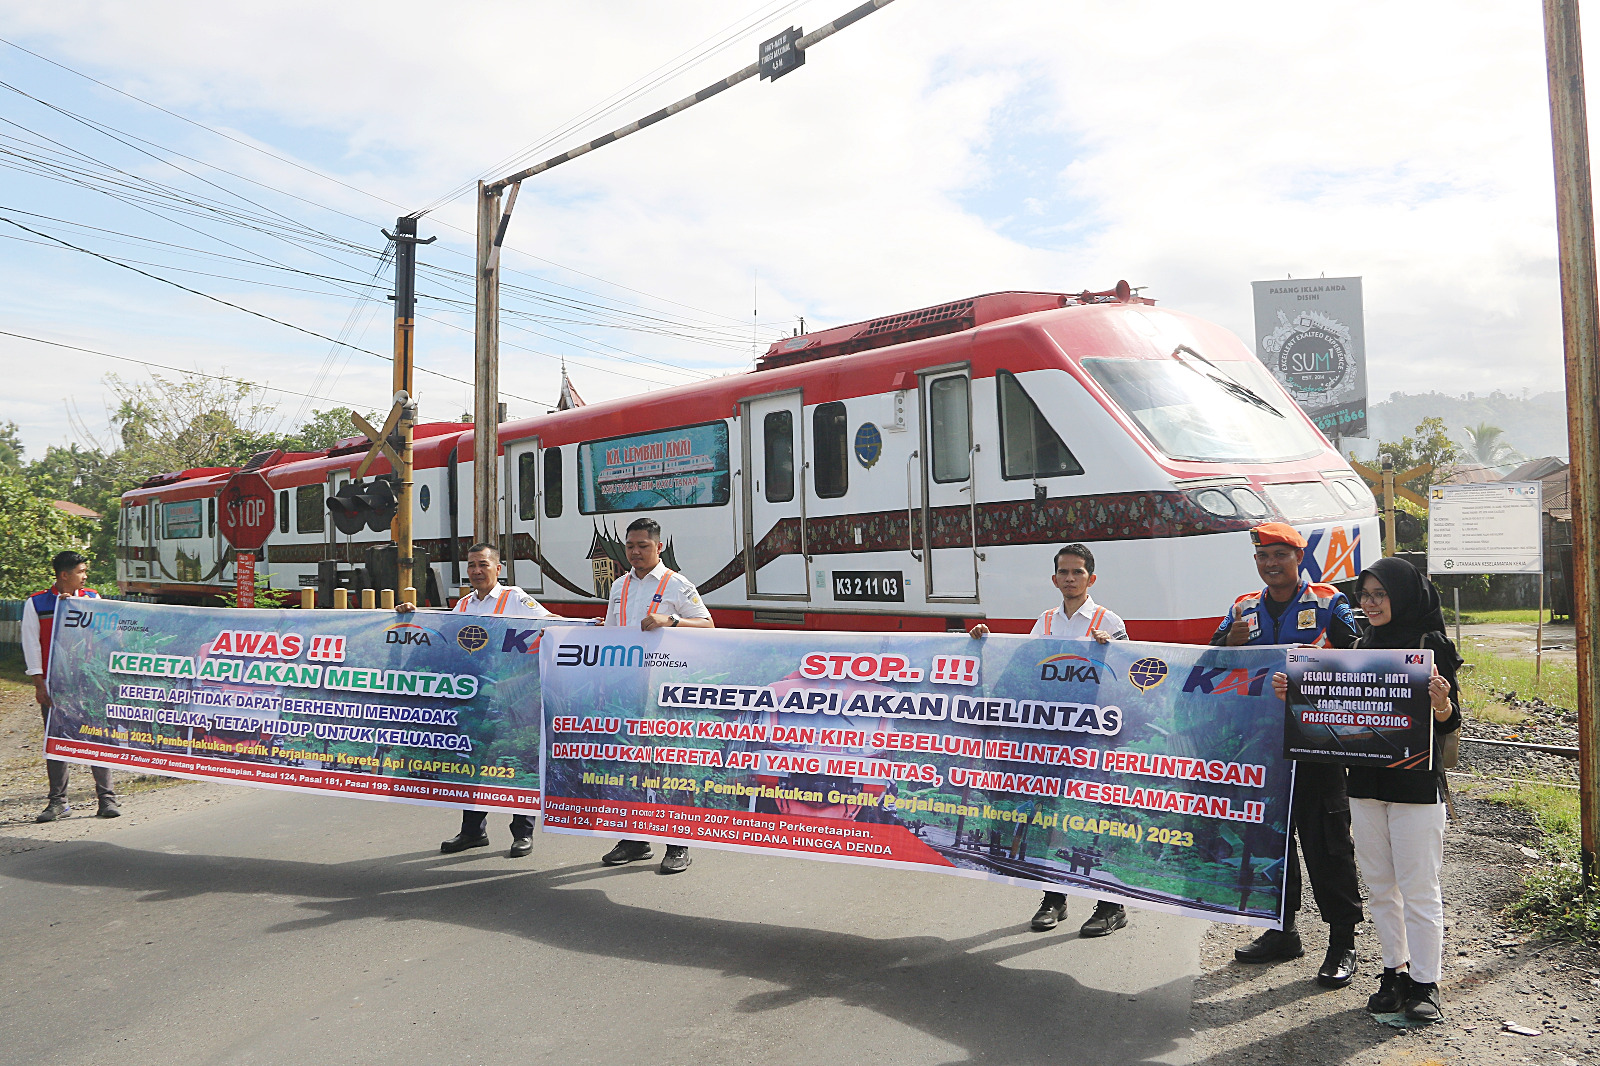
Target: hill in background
[1535, 425]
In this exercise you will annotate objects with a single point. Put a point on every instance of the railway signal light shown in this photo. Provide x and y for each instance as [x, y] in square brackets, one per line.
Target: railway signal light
[371, 503]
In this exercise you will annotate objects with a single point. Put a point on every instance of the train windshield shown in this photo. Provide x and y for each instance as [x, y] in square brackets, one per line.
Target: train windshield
[1193, 408]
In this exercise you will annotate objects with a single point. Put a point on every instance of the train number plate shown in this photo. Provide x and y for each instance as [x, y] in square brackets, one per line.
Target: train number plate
[882, 586]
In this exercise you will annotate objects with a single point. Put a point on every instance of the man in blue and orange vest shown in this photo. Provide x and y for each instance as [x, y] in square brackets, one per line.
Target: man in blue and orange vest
[38, 616]
[1290, 610]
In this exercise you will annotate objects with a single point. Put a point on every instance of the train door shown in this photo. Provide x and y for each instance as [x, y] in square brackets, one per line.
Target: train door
[774, 494]
[527, 486]
[949, 491]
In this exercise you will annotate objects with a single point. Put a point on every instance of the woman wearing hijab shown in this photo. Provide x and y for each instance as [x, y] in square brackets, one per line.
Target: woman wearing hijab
[1397, 816]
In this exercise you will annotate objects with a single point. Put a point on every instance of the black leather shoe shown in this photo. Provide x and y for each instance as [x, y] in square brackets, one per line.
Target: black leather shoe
[676, 860]
[1390, 998]
[1275, 945]
[1106, 919]
[1051, 911]
[461, 842]
[1338, 967]
[520, 847]
[627, 851]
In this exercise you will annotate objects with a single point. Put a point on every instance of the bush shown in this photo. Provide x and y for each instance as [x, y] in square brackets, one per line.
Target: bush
[1555, 904]
[31, 531]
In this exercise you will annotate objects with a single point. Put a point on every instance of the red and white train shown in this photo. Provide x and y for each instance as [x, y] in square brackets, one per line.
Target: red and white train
[913, 472]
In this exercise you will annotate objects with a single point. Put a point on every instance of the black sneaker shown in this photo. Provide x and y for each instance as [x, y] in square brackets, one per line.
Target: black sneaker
[108, 809]
[1390, 997]
[1275, 945]
[1106, 919]
[627, 851]
[53, 812]
[1051, 910]
[1422, 1001]
[676, 860]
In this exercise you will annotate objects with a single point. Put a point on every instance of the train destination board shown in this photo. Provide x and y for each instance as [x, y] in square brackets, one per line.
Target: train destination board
[1492, 528]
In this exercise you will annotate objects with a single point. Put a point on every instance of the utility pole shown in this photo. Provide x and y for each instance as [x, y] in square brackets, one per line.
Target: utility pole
[1580, 321]
[405, 400]
[781, 55]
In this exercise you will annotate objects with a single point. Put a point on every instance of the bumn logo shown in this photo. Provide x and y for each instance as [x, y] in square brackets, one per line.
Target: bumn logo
[94, 621]
[599, 655]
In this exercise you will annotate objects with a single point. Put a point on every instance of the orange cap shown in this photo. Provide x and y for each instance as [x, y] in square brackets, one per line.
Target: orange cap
[1277, 533]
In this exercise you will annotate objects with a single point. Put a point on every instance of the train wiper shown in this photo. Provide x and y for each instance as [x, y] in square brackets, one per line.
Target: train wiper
[1222, 380]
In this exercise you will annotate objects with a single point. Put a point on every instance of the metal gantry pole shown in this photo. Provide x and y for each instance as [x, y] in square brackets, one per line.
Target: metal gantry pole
[1580, 320]
[405, 324]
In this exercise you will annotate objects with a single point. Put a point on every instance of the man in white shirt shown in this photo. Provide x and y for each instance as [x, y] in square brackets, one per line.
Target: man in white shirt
[652, 597]
[490, 597]
[1078, 618]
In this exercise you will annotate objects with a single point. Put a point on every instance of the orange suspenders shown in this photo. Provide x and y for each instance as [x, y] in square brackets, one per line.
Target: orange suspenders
[661, 590]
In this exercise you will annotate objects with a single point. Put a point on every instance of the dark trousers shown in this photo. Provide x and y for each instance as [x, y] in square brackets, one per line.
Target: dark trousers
[475, 824]
[57, 772]
[1320, 818]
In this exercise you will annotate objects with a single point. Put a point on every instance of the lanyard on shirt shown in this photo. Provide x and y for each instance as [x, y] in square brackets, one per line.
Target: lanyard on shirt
[661, 590]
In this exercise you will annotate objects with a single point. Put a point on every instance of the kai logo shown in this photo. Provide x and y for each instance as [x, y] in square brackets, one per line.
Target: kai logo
[1073, 668]
[1221, 680]
[472, 638]
[1414, 659]
[1339, 559]
[525, 641]
[410, 633]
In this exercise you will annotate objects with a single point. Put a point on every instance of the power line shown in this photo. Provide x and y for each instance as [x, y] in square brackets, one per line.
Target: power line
[175, 370]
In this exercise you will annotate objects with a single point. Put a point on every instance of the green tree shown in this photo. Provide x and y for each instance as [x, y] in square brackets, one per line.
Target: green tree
[1431, 444]
[1486, 445]
[10, 449]
[31, 531]
[324, 429]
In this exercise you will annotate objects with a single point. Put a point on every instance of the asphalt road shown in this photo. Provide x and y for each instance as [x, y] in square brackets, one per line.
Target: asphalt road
[275, 928]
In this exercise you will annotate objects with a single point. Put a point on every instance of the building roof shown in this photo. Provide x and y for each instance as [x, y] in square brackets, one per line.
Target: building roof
[73, 509]
[1537, 469]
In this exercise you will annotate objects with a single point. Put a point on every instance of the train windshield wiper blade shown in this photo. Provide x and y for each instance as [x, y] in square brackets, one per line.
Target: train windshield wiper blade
[1222, 380]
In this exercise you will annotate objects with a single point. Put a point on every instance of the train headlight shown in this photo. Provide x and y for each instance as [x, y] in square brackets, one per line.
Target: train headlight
[1250, 505]
[1216, 502]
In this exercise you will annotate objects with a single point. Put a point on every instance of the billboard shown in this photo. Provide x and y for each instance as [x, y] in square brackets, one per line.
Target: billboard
[1311, 336]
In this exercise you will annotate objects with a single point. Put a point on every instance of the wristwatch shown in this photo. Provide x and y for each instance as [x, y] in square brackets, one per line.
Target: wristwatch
[676, 620]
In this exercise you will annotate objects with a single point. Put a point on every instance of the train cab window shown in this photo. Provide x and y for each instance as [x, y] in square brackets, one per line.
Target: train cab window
[283, 510]
[777, 435]
[950, 428]
[1029, 446]
[831, 438]
[308, 515]
[527, 487]
[552, 483]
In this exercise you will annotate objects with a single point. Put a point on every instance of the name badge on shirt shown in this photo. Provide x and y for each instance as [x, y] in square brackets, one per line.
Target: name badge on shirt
[1308, 619]
[1255, 623]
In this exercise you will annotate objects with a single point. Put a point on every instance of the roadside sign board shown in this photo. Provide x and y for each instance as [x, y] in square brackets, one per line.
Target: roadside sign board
[245, 510]
[1493, 528]
[244, 578]
[779, 56]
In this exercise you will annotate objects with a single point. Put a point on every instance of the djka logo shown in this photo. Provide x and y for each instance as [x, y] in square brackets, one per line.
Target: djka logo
[93, 621]
[599, 655]
[1221, 680]
[1073, 668]
[525, 641]
[410, 633]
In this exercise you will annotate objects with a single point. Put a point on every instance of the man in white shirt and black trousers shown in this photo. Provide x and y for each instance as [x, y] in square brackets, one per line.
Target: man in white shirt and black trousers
[490, 597]
[652, 597]
[1078, 618]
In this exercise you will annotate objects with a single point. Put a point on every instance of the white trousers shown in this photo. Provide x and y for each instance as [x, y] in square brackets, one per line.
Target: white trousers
[1400, 849]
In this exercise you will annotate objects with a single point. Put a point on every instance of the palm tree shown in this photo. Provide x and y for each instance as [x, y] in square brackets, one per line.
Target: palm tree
[1486, 445]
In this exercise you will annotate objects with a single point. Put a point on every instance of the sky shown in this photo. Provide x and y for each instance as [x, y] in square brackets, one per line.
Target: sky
[934, 150]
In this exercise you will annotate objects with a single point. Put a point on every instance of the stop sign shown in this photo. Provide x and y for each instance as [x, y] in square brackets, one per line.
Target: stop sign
[244, 510]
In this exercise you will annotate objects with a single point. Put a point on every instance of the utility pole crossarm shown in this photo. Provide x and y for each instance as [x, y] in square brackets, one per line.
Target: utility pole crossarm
[707, 93]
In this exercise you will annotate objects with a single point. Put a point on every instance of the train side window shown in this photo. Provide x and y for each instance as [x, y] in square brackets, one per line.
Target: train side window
[777, 433]
[831, 436]
[283, 510]
[211, 516]
[1029, 445]
[950, 428]
[552, 483]
[527, 488]
[308, 517]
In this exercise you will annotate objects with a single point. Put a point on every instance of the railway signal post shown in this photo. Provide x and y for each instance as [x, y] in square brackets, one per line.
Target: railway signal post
[404, 414]
[776, 57]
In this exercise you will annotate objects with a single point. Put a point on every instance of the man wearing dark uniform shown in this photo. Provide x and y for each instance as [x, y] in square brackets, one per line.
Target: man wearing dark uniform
[1292, 611]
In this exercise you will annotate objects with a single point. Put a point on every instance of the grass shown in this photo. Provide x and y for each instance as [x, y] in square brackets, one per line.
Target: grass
[1523, 616]
[11, 670]
[1554, 901]
[1487, 677]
